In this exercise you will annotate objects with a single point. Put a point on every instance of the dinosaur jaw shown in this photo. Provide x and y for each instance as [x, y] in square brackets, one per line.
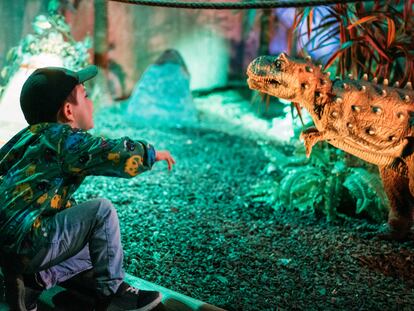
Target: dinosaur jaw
[270, 85]
[262, 84]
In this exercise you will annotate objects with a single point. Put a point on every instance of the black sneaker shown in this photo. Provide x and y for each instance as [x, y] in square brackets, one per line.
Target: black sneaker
[129, 298]
[32, 291]
[30, 298]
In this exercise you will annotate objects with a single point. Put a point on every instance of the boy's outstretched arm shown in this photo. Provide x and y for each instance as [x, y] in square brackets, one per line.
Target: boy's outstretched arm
[83, 154]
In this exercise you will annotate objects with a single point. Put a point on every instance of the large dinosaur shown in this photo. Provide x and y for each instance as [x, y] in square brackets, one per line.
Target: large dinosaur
[369, 120]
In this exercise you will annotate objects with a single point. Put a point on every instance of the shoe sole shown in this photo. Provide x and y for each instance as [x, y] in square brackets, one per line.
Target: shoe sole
[150, 306]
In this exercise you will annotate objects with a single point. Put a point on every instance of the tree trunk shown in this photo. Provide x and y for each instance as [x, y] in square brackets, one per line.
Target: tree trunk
[100, 38]
[265, 32]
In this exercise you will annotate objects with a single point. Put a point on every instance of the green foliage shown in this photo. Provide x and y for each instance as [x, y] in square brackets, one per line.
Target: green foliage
[304, 195]
[51, 36]
[370, 37]
[329, 182]
[53, 6]
[367, 190]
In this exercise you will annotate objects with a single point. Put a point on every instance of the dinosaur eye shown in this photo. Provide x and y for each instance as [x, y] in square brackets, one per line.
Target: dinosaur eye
[278, 64]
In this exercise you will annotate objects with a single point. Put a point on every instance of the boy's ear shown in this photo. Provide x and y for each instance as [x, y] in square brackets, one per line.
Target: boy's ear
[67, 111]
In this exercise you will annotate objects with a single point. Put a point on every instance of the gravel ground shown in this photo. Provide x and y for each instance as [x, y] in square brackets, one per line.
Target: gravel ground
[195, 230]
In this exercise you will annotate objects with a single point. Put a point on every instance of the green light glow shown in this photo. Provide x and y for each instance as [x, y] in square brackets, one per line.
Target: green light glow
[206, 54]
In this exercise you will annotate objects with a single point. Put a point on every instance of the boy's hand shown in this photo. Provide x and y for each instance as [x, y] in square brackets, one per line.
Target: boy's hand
[164, 155]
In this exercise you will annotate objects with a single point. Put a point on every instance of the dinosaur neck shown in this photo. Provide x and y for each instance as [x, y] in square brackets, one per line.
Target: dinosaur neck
[314, 102]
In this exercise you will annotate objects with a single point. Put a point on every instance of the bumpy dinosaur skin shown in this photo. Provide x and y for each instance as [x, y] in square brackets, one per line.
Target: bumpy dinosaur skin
[371, 121]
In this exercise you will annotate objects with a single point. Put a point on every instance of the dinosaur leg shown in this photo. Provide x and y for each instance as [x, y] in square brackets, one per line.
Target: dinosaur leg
[397, 189]
[310, 137]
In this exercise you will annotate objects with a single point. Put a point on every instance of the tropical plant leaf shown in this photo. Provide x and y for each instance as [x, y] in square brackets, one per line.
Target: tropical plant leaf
[297, 19]
[320, 183]
[301, 189]
[391, 32]
[367, 190]
[309, 20]
[381, 33]
[338, 53]
[376, 46]
[363, 20]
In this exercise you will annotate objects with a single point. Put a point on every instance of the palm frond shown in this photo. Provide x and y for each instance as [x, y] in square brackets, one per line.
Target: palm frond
[380, 32]
[367, 190]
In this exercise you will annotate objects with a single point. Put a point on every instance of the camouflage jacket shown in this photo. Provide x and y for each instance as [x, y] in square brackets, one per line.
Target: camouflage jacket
[43, 165]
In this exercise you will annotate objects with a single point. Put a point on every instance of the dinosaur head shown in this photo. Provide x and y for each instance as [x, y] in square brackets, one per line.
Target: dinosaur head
[291, 79]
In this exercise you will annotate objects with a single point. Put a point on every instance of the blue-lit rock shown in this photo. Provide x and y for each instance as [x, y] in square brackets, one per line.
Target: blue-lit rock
[162, 95]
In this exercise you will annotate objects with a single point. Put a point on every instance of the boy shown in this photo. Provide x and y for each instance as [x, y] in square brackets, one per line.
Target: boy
[40, 169]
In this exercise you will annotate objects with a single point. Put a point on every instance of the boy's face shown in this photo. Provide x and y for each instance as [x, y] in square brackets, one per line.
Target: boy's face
[83, 110]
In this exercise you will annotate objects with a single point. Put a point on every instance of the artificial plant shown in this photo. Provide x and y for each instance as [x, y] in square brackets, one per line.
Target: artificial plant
[330, 183]
[369, 37]
[51, 36]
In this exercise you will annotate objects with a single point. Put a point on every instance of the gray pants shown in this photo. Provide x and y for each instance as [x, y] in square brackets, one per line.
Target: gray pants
[82, 237]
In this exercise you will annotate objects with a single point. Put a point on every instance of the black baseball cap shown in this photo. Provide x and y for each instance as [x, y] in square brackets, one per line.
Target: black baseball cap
[46, 89]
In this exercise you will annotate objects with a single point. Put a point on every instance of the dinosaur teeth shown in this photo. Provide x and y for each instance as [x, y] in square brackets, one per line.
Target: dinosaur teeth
[392, 138]
[339, 100]
[365, 77]
[370, 131]
[350, 76]
[384, 93]
[385, 82]
[375, 80]
[308, 58]
[328, 73]
[397, 84]
[407, 98]
[320, 66]
[270, 81]
[363, 88]
[334, 114]
[345, 86]
[409, 86]
[349, 125]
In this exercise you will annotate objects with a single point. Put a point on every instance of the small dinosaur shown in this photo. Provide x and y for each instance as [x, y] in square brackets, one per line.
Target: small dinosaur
[371, 121]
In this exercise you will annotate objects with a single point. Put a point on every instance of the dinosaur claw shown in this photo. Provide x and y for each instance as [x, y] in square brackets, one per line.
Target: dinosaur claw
[308, 150]
[310, 137]
[308, 145]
